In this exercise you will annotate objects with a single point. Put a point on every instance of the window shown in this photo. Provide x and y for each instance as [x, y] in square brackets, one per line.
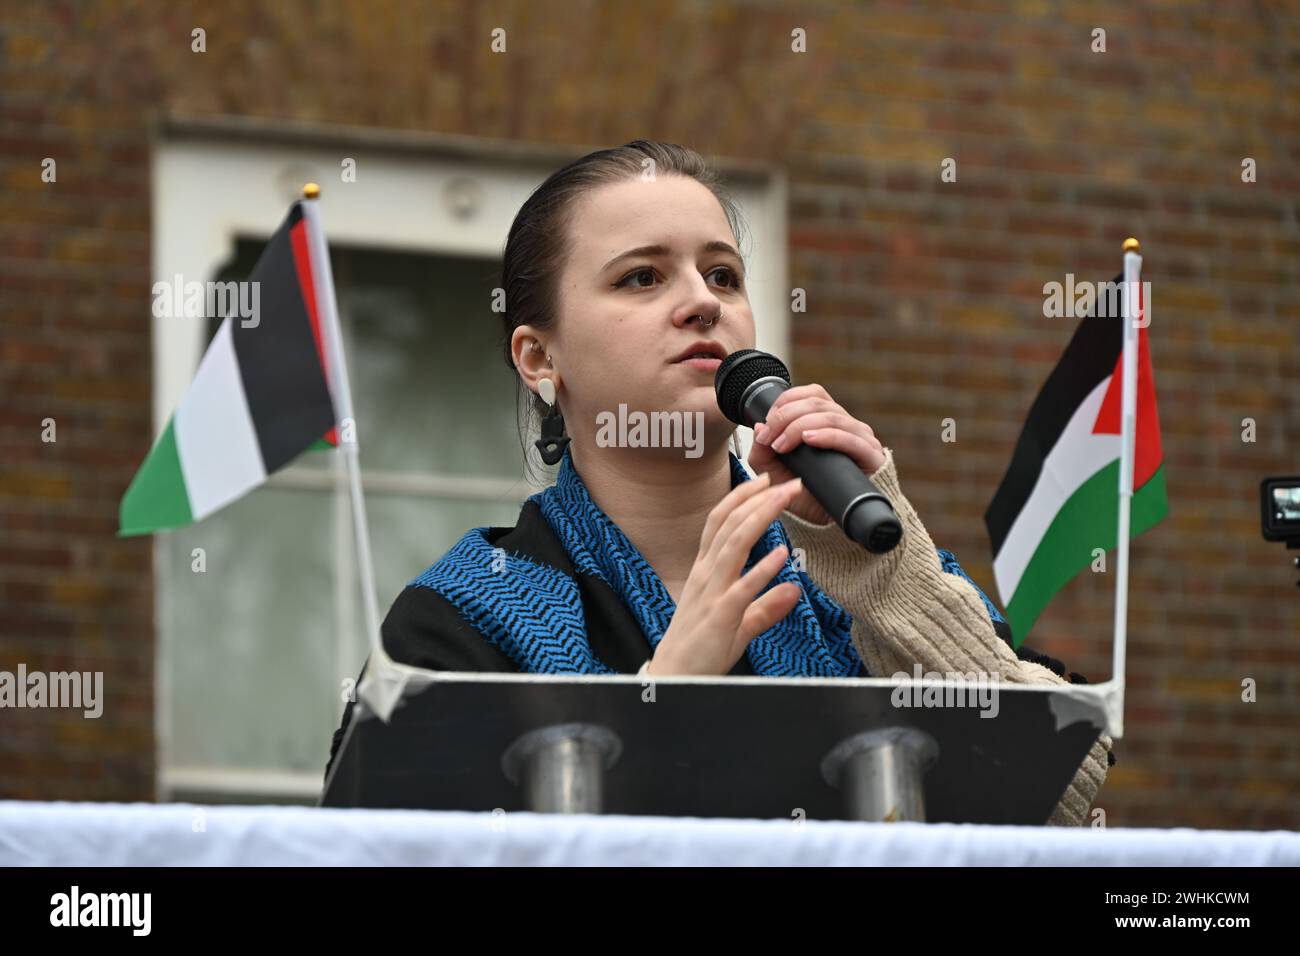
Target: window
[265, 636]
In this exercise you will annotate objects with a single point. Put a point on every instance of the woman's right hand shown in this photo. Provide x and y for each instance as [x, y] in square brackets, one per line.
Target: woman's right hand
[718, 616]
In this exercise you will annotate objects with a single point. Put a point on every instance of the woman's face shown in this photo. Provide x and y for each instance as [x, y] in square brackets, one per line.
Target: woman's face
[627, 316]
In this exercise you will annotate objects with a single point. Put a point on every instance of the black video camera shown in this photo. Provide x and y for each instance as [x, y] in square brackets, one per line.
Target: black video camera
[1279, 500]
[1279, 511]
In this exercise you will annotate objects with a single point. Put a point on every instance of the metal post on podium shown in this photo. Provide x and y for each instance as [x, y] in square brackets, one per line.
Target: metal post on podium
[881, 773]
[562, 767]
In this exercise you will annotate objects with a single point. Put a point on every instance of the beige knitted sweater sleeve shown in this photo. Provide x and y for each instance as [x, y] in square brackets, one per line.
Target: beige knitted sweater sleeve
[906, 610]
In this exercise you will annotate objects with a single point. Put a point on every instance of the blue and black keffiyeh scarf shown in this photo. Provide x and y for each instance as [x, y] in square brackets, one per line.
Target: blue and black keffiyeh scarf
[533, 611]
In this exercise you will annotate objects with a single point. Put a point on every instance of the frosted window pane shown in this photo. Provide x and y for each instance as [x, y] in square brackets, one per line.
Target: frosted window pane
[250, 641]
[431, 389]
[251, 644]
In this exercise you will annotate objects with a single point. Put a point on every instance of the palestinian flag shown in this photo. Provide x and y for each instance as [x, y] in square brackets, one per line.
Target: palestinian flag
[1059, 499]
[260, 397]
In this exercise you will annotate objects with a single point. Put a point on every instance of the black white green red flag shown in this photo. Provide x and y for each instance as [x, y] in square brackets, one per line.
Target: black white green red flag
[260, 397]
[1060, 499]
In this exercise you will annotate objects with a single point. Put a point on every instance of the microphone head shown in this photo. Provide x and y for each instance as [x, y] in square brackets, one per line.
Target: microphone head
[738, 371]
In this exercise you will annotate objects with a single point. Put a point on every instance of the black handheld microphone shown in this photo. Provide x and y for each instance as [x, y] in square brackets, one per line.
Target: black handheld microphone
[748, 382]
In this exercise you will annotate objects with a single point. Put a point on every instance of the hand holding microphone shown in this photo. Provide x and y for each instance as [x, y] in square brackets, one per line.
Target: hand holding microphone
[721, 611]
[812, 437]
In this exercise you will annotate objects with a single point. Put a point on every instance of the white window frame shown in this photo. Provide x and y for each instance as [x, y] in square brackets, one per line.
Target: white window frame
[216, 180]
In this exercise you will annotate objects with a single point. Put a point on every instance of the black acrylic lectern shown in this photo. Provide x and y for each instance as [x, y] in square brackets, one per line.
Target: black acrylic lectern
[860, 749]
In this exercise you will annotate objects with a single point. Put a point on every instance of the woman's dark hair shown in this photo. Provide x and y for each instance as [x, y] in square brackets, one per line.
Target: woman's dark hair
[535, 250]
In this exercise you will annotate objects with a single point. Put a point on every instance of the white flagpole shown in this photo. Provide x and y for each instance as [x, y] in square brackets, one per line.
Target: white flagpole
[1133, 309]
[323, 279]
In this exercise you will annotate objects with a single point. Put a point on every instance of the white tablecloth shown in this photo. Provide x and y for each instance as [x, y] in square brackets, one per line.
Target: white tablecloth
[94, 834]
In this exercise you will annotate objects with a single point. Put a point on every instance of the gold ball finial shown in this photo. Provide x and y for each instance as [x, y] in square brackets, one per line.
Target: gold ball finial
[1131, 245]
[311, 191]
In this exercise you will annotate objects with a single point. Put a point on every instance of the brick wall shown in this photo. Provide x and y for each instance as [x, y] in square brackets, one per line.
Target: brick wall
[924, 297]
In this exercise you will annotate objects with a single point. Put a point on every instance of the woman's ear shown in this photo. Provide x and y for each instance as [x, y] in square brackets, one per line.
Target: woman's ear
[530, 357]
